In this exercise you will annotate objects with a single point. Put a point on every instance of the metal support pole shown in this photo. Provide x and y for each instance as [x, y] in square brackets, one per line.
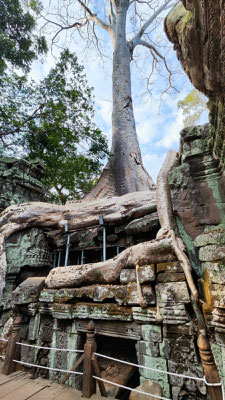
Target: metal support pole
[82, 257]
[9, 365]
[67, 245]
[117, 250]
[59, 259]
[89, 383]
[101, 222]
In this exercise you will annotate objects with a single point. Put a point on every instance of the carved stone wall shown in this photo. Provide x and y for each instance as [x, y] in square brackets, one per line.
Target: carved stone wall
[20, 181]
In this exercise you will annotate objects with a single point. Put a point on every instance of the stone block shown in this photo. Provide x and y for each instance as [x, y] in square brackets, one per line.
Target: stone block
[214, 293]
[181, 369]
[47, 295]
[169, 267]
[144, 224]
[216, 237]
[212, 253]
[28, 291]
[127, 276]
[214, 272]
[159, 364]
[174, 314]
[144, 315]
[171, 277]
[169, 331]
[152, 333]
[34, 327]
[148, 348]
[106, 311]
[148, 386]
[146, 273]
[173, 292]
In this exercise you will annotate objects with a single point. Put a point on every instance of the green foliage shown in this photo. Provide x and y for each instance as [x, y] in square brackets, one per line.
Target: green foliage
[52, 121]
[193, 106]
[19, 46]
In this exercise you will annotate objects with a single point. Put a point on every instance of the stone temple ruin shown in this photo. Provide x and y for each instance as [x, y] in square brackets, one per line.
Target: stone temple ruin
[120, 261]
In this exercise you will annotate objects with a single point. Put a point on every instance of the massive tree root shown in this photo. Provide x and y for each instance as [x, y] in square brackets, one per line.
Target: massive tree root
[80, 214]
[166, 219]
[108, 272]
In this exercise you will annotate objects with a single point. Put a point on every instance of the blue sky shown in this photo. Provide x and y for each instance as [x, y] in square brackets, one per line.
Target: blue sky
[158, 122]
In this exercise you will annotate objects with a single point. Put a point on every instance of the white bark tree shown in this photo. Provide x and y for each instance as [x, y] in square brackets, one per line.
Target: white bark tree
[124, 173]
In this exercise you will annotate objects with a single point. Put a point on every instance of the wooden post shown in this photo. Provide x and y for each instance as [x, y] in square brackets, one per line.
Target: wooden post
[9, 365]
[89, 384]
[209, 367]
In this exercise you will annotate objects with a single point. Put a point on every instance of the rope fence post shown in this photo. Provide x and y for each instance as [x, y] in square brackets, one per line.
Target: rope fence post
[9, 365]
[210, 370]
[89, 383]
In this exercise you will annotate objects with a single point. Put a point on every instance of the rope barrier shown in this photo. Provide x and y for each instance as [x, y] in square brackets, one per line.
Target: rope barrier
[113, 359]
[151, 369]
[133, 390]
[49, 348]
[52, 369]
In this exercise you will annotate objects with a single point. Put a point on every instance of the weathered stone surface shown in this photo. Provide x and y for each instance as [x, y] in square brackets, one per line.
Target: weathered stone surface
[106, 311]
[148, 348]
[157, 363]
[146, 273]
[28, 248]
[174, 314]
[122, 294]
[212, 237]
[169, 267]
[118, 329]
[144, 315]
[214, 294]
[171, 277]
[214, 272]
[118, 373]
[174, 292]
[28, 291]
[127, 276]
[212, 252]
[152, 333]
[148, 386]
[144, 224]
[20, 181]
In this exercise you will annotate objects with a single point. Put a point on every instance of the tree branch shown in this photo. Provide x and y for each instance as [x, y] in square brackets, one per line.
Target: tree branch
[94, 17]
[17, 129]
[152, 48]
[137, 37]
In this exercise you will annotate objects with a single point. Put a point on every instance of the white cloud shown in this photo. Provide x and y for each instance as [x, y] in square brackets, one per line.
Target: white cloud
[172, 132]
[153, 163]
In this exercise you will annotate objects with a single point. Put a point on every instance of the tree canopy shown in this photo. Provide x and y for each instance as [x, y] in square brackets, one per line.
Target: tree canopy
[52, 121]
[19, 45]
[193, 106]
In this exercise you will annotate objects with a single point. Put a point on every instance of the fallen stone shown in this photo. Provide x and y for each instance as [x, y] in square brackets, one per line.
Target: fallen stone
[28, 291]
[147, 386]
[118, 373]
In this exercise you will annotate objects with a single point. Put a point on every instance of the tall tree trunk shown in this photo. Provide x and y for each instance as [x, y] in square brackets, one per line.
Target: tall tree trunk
[124, 173]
